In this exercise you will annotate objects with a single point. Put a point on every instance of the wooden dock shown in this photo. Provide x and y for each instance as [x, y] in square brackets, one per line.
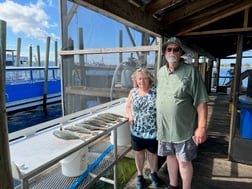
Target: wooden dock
[212, 169]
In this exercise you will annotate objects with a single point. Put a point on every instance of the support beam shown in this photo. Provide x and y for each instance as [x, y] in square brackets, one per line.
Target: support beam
[5, 166]
[235, 93]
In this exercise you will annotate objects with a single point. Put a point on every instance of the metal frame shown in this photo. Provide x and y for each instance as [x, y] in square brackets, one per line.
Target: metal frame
[25, 176]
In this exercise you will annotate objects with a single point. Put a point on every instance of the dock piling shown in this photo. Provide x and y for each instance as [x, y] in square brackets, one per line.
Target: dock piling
[5, 171]
[46, 74]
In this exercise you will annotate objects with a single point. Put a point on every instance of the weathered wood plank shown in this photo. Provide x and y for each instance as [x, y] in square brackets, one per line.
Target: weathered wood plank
[99, 92]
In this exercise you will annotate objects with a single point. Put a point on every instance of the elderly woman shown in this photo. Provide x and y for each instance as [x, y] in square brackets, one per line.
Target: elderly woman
[141, 110]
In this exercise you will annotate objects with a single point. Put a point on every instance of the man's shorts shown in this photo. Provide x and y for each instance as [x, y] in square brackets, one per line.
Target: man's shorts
[139, 144]
[185, 151]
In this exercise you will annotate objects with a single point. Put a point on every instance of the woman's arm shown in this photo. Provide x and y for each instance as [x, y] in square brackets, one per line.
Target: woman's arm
[128, 108]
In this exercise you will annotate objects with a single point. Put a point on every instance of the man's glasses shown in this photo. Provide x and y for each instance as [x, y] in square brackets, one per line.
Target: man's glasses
[173, 49]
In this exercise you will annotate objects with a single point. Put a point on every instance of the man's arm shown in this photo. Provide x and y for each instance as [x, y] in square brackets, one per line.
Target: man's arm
[201, 132]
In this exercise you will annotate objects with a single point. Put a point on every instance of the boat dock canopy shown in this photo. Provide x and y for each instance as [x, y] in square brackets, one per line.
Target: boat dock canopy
[212, 25]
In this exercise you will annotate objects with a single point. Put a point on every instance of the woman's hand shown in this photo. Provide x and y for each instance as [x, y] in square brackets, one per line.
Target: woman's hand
[131, 122]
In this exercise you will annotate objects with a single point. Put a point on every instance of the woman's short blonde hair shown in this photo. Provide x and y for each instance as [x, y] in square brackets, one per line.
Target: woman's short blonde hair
[144, 71]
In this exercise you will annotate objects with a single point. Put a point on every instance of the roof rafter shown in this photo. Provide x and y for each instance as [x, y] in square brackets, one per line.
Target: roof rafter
[210, 19]
[188, 10]
[116, 10]
[160, 5]
[245, 28]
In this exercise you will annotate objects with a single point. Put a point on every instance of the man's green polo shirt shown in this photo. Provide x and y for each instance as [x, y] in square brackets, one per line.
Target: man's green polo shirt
[178, 95]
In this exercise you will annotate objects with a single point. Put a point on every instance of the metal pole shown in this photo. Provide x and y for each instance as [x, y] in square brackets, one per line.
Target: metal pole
[5, 167]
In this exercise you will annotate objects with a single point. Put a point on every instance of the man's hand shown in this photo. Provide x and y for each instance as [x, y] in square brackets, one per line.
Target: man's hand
[200, 135]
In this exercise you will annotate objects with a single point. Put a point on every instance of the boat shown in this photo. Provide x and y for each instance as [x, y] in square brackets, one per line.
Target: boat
[11, 59]
[25, 87]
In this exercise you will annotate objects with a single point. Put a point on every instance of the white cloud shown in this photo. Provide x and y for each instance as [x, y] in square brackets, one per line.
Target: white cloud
[29, 19]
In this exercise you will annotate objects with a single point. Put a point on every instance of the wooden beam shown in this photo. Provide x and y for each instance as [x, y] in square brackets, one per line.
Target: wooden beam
[196, 24]
[188, 10]
[159, 5]
[246, 17]
[71, 13]
[109, 50]
[223, 31]
[132, 17]
[99, 92]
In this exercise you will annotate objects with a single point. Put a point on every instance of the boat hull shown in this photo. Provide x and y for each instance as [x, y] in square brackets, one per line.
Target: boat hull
[27, 95]
[25, 87]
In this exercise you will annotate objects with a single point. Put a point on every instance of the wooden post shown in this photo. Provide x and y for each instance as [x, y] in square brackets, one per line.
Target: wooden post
[18, 51]
[218, 74]
[38, 54]
[235, 92]
[30, 55]
[81, 57]
[5, 167]
[67, 69]
[63, 12]
[120, 45]
[196, 59]
[82, 70]
[55, 53]
[46, 74]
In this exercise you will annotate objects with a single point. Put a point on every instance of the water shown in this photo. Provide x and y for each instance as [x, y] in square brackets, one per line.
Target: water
[26, 118]
[224, 73]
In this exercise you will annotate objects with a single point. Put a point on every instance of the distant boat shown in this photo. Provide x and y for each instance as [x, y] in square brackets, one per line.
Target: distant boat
[24, 86]
[11, 60]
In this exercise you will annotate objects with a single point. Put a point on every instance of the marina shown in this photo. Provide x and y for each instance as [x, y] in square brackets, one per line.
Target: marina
[90, 134]
[30, 83]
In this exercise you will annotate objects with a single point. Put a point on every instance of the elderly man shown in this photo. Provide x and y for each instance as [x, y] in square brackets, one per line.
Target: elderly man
[181, 113]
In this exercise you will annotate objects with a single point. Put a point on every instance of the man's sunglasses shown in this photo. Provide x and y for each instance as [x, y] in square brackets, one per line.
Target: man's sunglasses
[173, 49]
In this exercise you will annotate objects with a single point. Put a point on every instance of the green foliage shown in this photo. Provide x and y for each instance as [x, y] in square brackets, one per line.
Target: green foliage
[125, 168]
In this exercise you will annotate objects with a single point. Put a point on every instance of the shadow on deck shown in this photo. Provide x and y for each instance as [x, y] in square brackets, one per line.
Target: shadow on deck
[212, 169]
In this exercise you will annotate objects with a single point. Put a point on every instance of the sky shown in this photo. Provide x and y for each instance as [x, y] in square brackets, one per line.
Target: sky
[35, 20]
[32, 21]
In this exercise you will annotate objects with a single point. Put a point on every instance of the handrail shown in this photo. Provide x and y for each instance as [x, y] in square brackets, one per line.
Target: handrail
[30, 74]
[29, 68]
[242, 76]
